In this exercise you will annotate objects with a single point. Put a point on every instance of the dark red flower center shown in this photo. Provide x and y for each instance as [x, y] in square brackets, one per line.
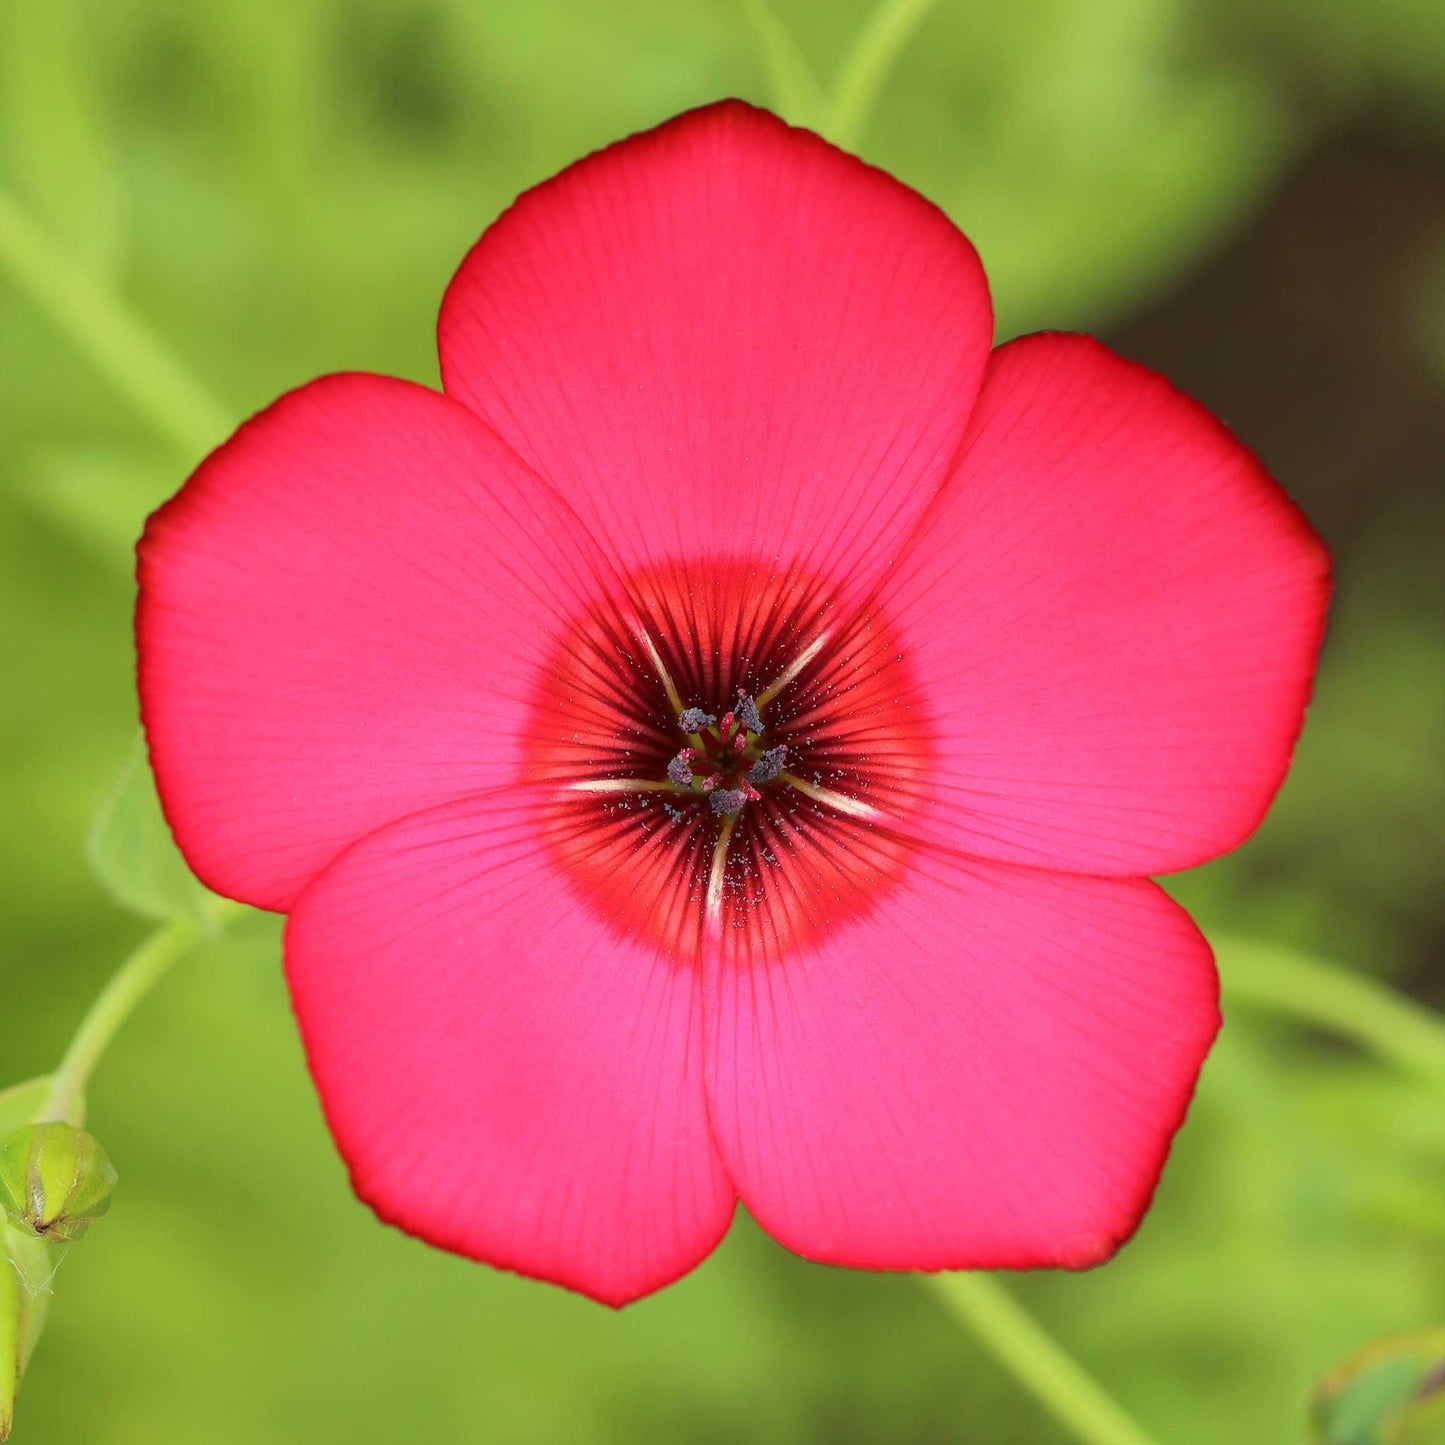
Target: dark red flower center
[735, 757]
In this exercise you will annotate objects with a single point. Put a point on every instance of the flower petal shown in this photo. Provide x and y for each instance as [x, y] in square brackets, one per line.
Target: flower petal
[726, 336]
[984, 1073]
[506, 1075]
[339, 623]
[1116, 615]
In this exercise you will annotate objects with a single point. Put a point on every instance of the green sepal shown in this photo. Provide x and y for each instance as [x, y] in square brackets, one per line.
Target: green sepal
[55, 1180]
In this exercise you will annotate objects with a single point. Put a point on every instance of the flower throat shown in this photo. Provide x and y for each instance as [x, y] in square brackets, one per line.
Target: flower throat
[731, 754]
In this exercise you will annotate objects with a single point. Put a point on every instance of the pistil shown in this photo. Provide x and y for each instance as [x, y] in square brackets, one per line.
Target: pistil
[725, 758]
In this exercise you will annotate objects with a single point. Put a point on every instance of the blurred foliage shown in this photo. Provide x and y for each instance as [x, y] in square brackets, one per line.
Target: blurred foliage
[1390, 1394]
[131, 851]
[282, 188]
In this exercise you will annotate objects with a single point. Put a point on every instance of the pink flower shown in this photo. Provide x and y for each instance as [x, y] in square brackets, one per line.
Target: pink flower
[715, 749]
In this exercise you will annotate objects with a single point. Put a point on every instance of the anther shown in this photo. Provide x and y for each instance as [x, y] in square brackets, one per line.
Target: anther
[747, 712]
[726, 800]
[679, 770]
[768, 766]
[694, 719]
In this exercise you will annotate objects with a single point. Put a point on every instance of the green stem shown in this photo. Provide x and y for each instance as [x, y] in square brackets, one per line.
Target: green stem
[1389, 1025]
[1012, 1336]
[137, 362]
[132, 981]
[874, 54]
[796, 91]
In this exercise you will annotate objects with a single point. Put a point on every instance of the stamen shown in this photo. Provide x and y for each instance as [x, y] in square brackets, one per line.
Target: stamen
[655, 658]
[747, 711]
[790, 672]
[713, 905]
[620, 785]
[727, 800]
[768, 766]
[694, 719]
[679, 770]
[853, 807]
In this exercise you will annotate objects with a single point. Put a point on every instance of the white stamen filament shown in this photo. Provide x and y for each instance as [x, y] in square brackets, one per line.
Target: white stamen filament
[853, 807]
[712, 911]
[655, 658]
[791, 671]
[623, 785]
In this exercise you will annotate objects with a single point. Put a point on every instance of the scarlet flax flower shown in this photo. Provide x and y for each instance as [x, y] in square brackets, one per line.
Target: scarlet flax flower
[715, 749]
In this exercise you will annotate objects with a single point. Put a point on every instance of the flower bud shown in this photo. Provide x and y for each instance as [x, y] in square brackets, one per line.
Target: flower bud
[55, 1180]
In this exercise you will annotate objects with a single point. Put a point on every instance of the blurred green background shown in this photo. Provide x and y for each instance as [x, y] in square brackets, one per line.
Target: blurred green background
[1248, 194]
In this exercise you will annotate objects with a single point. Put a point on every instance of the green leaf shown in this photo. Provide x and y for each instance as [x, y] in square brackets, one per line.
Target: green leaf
[1391, 1393]
[132, 853]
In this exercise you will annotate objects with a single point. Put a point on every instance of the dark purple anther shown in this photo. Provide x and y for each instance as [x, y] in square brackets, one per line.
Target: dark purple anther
[694, 719]
[726, 800]
[768, 766]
